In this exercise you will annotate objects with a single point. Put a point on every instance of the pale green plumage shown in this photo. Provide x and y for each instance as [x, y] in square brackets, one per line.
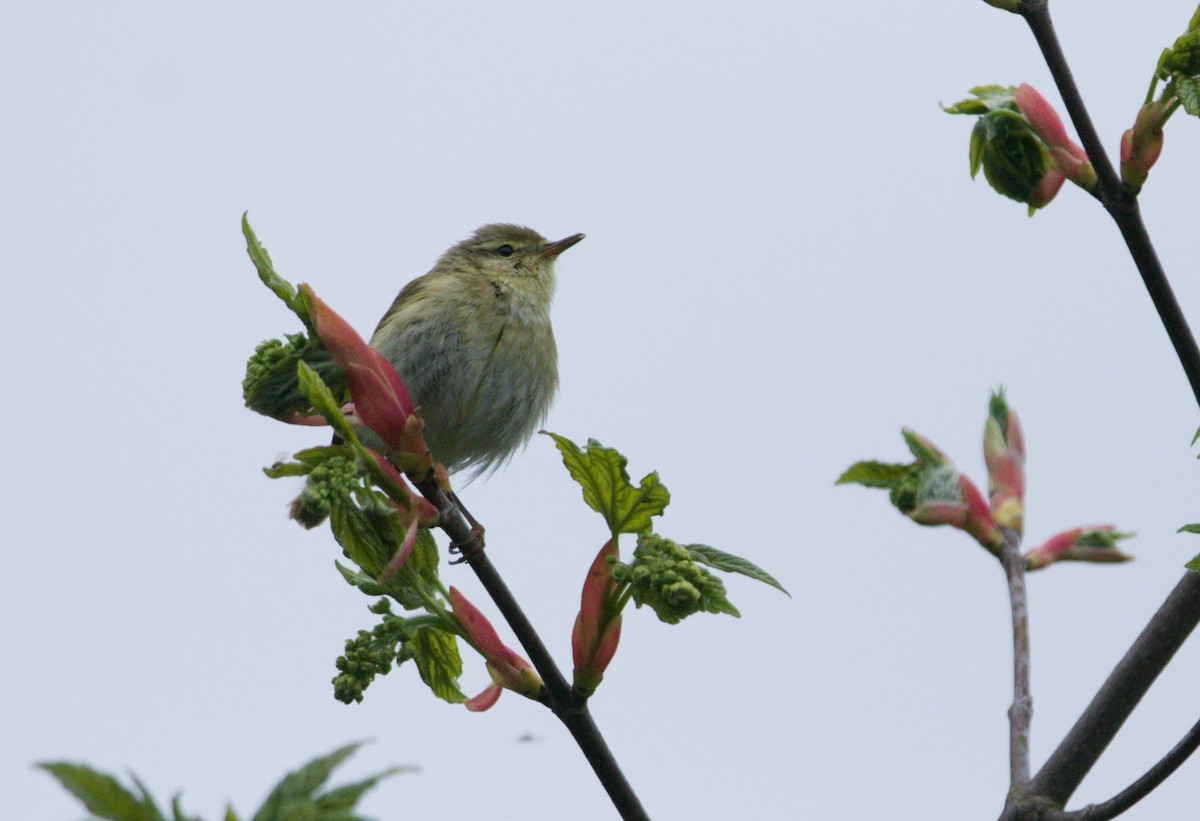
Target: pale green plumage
[473, 343]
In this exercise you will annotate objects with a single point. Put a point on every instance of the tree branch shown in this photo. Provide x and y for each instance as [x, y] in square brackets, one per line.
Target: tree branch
[1139, 789]
[1168, 629]
[570, 711]
[1020, 714]
[1062, 773]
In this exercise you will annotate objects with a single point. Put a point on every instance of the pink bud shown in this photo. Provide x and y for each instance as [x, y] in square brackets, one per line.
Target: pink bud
[1069, 159]
[597, 631]
[507, 669]
[1095, 543]
[397, 561]
[968, 512]
[381, 400]
[1142, 144]
[1004, 452]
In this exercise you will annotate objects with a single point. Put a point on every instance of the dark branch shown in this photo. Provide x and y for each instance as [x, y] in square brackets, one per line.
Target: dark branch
[572, 712]
[1173, 623]
[1150, 653]
[1139, 789]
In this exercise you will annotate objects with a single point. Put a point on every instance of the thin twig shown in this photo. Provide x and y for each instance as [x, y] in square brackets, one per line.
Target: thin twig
[572, 712]
[1020, 714]
[1112, 704]
[1062, 773]
[1139, 789]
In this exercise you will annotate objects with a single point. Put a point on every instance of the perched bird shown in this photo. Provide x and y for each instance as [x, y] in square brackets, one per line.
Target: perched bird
[472, 341]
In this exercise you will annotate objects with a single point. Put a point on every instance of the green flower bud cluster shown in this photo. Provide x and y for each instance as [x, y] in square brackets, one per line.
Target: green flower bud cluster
[370, 654]
[271, 386]
[267, 356]
[664, 576]
[327, 484]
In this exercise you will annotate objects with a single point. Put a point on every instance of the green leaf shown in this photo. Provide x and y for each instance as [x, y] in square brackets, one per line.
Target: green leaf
[987, 98]
[300, 787]
[102, 794]
[873, 474]
[266, 272]
[270, 386]
[601, 472]
[1194, 564]
[1189, 529]
[1187, 89]
[177, 813]
[424, 557]
[361, 580]
[336, 803]
[436, 653]
[721, 560]
[317, 392]
[281, 469]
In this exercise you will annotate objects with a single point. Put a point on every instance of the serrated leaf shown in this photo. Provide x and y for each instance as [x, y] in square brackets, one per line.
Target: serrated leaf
[102, 794]
[317, 392]
[424, 557]
[1187, 89]
[730, 563]
[266, 272]
[302, 784]
[343, 799]
[1189, 529]
[873, 474]
[436, 653]
[601, 472]
[361, 580]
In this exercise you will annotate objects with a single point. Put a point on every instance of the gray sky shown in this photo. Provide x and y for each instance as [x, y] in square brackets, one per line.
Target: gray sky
[786, 261]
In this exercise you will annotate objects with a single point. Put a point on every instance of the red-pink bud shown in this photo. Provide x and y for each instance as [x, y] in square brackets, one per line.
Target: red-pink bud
[1095, 543]
[401, 555]
[1142, 144]
[507, 669]
[967, 512]
[1004, 452]
[597, 631]
[380, 398]
[1069, 159]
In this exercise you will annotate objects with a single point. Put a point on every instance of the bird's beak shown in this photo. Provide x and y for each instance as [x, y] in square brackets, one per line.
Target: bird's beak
[553, 249]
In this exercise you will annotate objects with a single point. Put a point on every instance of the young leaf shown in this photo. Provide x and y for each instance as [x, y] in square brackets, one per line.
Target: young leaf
[337, 803]
[873, 474]
[1189, 529]
[270, 386]
[266, 272]
[732, 564]
[600, 471]
[102, 794]
[1194, 564]
[317, 392]
[436, 654]
[293, 797]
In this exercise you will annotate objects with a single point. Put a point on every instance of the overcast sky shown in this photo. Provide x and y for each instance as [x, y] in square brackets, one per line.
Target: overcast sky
[786, 261]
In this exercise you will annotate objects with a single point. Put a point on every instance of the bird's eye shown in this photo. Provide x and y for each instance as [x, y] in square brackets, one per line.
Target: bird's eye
[505, 250]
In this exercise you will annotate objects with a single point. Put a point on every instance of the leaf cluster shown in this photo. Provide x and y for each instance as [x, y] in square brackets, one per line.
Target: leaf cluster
[300, 794]
[671, 579]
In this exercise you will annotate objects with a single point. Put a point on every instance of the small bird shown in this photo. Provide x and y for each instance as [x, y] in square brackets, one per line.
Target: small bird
[472, 341]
